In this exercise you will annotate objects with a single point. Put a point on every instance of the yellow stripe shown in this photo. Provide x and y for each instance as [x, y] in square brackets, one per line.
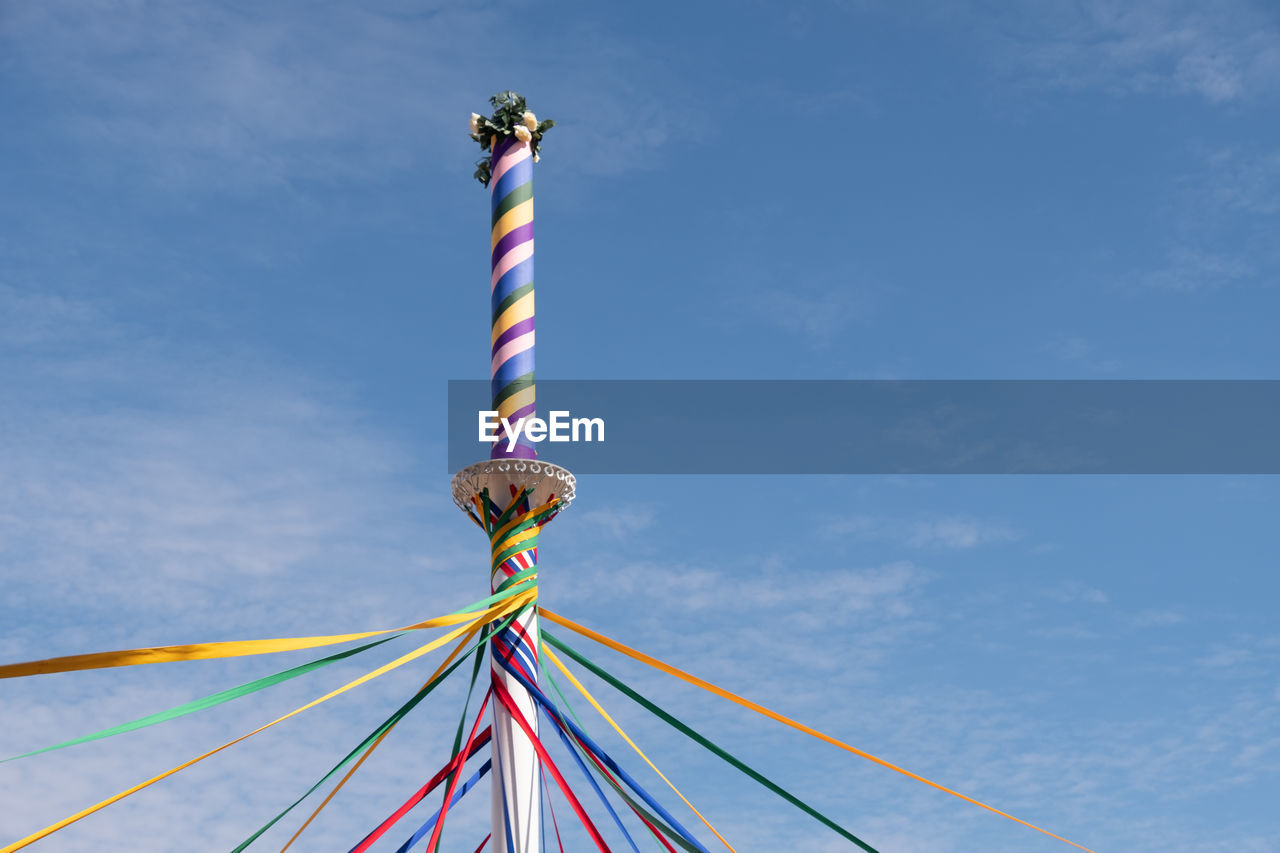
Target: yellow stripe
[521, 309]
[521, 214]
[462, 644]
[520, 517]
[760, 709]
[516, 402]
[496, 612]
[205, 651]
[512, 541]
[546, 650]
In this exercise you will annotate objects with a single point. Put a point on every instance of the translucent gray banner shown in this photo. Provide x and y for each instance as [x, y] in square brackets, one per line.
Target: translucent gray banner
[893, 427]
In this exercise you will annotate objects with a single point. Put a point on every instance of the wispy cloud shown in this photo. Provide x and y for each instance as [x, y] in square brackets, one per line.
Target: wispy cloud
[948, 532]
[1188, 270]
[1245, 182]
[820, 319]
[1158, 618]
[1080, 353]
[1073, 592]
[192, 487]
[1222, 54]
[220, 96]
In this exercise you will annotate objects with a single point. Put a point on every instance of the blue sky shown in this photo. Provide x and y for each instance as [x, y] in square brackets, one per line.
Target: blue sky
[241, 253]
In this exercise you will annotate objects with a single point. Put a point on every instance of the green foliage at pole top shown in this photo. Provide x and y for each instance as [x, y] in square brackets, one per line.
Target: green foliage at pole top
[511, 117]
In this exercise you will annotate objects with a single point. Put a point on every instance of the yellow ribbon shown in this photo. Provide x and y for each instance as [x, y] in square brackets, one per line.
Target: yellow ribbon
[760, 709]
[462, 644]
[206, 651]
[546, 650]
[497, 611]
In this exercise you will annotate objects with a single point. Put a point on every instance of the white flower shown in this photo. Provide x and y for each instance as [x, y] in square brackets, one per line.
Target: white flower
[523, 134]
[535, 158]
[530, 120]
[475, 122]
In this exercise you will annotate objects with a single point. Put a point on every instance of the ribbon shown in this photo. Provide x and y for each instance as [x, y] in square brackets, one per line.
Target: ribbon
[374, 744]
[375, 737]
[516, 601]
[431, 821]
[505, 699]
[583, 690]
[418, 796]
[707, 744]
[453, 778]
[760, 709]
[647, 819]
[235, 648]
[209, 701]
[587, 742]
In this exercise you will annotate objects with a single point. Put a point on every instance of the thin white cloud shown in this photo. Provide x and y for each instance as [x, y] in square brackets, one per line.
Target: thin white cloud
[194, 487]
[1244, 182]
[226, 97]
[1188, 270]
[1072, 592]
[1158, 618]
[945, 532]
[1220, 54]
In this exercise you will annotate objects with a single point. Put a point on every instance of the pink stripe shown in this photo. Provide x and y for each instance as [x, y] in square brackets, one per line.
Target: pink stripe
[509, 349]
[522, 252]
[517, 152]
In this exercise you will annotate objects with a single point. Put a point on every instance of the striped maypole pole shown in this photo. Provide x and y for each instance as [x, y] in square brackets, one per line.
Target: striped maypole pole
[513, 494]
[511, 282]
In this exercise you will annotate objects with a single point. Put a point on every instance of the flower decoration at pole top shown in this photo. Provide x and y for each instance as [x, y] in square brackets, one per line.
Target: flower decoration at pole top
[511, 117]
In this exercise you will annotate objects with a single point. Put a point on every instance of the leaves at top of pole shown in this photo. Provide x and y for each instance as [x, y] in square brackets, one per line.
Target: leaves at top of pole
[511, 117]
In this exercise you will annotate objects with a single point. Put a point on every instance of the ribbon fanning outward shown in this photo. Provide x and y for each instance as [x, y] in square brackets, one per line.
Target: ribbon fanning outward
[209, 701]
[708, 744]
[496, 612]
[240, 648]
[774, 715]
[504, 698]
[603, 713]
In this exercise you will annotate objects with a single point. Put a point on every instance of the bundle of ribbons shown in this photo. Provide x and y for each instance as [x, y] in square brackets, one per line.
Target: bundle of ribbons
[633, 811]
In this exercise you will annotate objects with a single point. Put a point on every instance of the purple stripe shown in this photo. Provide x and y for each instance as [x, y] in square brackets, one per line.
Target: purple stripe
[511, 334]
[523, 234]
[521, 451]
[501, 146]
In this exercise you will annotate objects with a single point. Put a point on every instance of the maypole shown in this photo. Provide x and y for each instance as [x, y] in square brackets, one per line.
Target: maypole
[512, 494]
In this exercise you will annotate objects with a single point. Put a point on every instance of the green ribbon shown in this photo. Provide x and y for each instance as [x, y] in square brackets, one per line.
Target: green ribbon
[457, 738]
[653, 819]
[209, 701]
[378, 732]
[706, 743]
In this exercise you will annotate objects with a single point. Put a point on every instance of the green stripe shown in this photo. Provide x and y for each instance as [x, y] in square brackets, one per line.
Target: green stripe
[517, 578]
[485, 602]
[210, 701]
[511, 508]
[706, 743]
[515, 385]
[524, 192]
[526, 545]
[511, 298]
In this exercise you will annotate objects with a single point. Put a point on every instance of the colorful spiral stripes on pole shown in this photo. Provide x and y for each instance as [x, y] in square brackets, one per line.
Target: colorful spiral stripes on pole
[517, 803]
[511, 376]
